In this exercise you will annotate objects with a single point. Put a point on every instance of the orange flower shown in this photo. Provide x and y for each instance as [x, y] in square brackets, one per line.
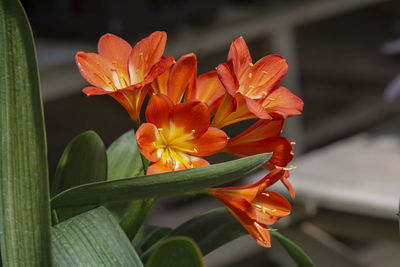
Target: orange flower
[176, 136]
[124, 72]
[252, 89]
[254, 207]
[181, 79]
[264, 137]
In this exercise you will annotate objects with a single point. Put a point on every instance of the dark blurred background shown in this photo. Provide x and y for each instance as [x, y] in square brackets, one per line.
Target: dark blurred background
[343, 62]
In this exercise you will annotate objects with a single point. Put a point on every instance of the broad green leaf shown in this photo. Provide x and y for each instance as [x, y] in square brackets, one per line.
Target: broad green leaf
[148, 235]
[124, 160]
[24, 201]
[93, 238]
[297, 254]
[176, 252]
[84, 161]
[217, 227]
[158, 185]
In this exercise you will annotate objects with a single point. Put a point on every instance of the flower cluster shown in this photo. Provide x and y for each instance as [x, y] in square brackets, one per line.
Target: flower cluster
[186, 113]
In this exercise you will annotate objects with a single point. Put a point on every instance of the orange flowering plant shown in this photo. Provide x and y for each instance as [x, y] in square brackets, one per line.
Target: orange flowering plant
[100, 197]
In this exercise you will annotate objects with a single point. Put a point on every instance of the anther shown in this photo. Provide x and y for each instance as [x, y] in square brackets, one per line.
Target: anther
[274, 210]
[97, 63]
[251, 64]
[250, 75]
[141, 54]
[193, 131]
[264, 72]
[265, 93]
[114, 62]
[292, 143]
[293, 167]
[195, 150]
[251, 86]
[271, 99]
[160, 129]
[154, 144]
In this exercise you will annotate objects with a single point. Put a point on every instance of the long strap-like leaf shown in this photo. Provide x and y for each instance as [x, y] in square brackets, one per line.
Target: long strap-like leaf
[164, 184]
[24, 199]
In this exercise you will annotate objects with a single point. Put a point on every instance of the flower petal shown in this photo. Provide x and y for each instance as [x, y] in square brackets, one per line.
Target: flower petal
[267, 73]
[239, 57]
[269, 207]
[208, 89]
[159, 167]
[260, 130]
[227, 79]
[146, 135]
[211, 142]
[145, 54]
[116, 51]
[183, 75]
[281, 103]
[89, 91]
[192, 115]
[158, 110]
[95, 69]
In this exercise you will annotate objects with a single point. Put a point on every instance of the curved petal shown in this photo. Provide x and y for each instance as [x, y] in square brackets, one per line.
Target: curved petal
[158, 110]
[280, 147]
[227, 79]
[255, 108]
[115, 50]
[95, 69]
[159, 85]
[211, 142]
[239, 58]
[89, 91]
[270, 207]
[267, 73]
[208, 89]
[192, 115]
[159, 68]
[262, 129]
[183, 75]
[225, 108]
[159, 167]
[145, 54]
[146, 136]
[198, 162]
[281, 103]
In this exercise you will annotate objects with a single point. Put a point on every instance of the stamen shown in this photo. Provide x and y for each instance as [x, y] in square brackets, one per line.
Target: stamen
[251, 64]
[271, 99]
[293, 167]
[274, 210]
[264, 72]
[97, 63]
[251, 86]
[265, 93]
[250, 75]
[183, 137]
[114, 62]
[292, 143]
[265, 194]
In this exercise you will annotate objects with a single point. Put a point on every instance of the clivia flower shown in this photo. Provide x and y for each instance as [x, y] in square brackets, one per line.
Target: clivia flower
[252, 88]
[181, 81]
[254, 207]
[264, 137]
[123, 72]
[176, 136]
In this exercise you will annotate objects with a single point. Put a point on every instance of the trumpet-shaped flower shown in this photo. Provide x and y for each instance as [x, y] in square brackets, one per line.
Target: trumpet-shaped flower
[264, 137]
[252, 88]
[123, 72]
[254, 207]
[176, 136]
[181, 79]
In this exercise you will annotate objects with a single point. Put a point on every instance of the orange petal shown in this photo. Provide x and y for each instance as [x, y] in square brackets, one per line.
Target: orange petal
[146, 135]
[262, 129]
[158, 110]
[228, 81]
[89, 91]
[159, 167]
[210, 142]
[95, 69]
[225, 108]
[239, 57]
[208, 90]
[159, 68]
[198, 162]
[182, 76]
[145, 54]
[267, 73]
[288, 185]
[269, 207]
[281, 103]
[116, 51]
[192, 115]
[254, 107]
[159, 85]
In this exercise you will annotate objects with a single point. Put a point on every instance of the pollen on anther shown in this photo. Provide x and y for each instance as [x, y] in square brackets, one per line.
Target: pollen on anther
[274, 210]
[193, 131]
[195, 150]
[292, 143]
[271, 99]
[141, 54]
[265, 93]
[251, 86]
[160, 129]
[251, 64]
[293, 167]
[250, 75]
[264, 72]
[154, 144]
[114, 62]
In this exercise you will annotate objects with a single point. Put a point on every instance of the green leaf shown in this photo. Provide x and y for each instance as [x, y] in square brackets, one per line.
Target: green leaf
[93, 238]
[176, 252]
[84, 161]
[158, 185]
[216, 227]
[297, 254]
[148, 235]
[24, 201]
[211, 229]
[124, 160]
